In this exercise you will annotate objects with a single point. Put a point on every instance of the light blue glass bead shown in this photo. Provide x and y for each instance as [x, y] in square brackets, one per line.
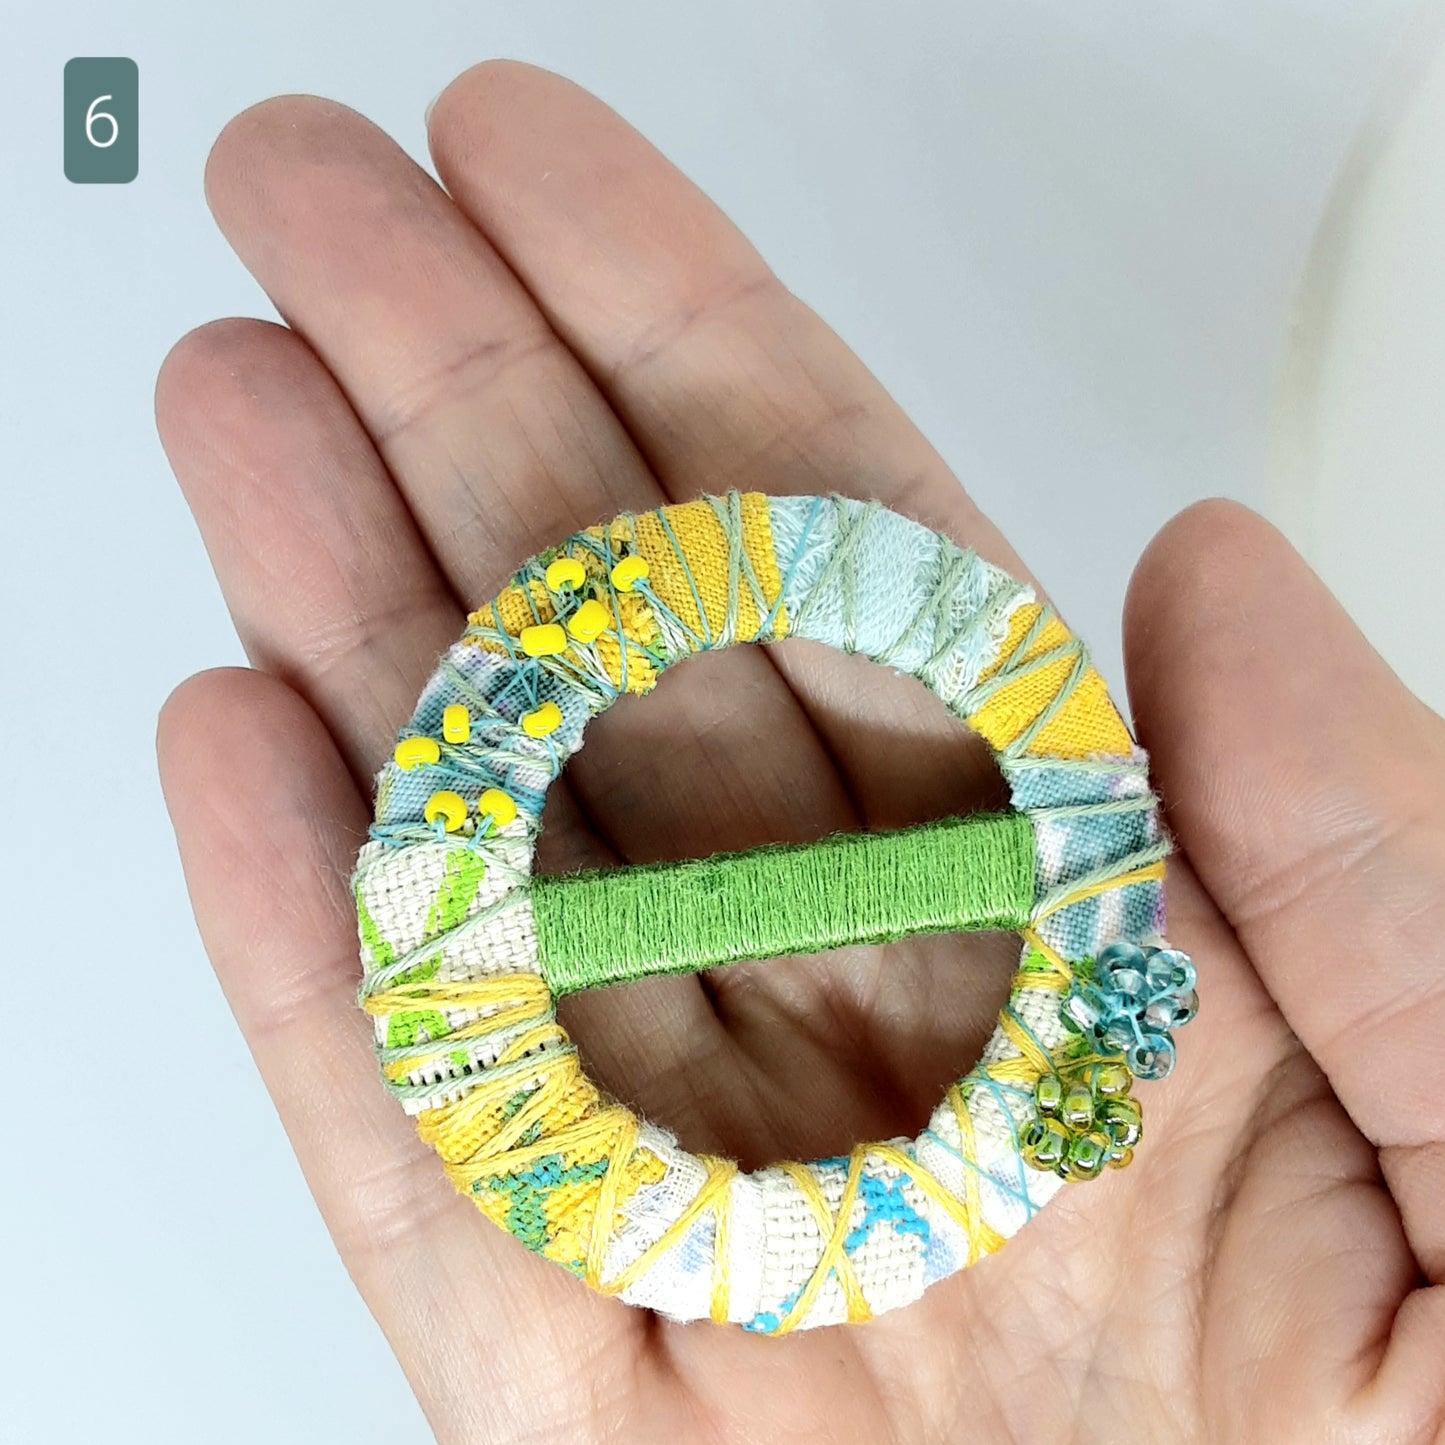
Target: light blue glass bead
[1122, 1033]
[1126, 980]
[1169, 970]
[1152, 1058]
[1117, 953]
[1185, 1009]
[1159, 1014]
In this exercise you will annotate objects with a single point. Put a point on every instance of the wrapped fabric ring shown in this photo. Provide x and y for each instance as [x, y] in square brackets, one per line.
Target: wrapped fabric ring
[465, 952]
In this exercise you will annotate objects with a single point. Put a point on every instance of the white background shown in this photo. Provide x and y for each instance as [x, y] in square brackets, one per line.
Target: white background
[1069, 237]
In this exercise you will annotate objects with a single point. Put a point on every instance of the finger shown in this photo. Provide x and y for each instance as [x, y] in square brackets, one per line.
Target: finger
[468, 1313]
[723, 377]
[492, 430]
[1308, 787]
[329, 584]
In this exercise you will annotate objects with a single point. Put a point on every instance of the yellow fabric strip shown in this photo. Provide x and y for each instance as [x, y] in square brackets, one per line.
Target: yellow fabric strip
[698, 534]
[1088, 723]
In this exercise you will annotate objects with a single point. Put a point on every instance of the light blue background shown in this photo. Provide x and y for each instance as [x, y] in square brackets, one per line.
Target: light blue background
[1065, 235]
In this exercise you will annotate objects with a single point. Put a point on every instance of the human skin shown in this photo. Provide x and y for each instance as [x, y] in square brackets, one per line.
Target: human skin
[571, 329]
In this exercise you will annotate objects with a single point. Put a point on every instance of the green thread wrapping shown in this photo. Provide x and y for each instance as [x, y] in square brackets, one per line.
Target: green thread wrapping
[615, 926]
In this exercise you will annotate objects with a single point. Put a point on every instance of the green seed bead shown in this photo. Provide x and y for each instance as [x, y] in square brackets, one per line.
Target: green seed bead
[1120, 1158]
[1049, 1094]
[1112, 1081]
[1077, 1110]
[1088, 1153]
[1122, 1120]
[1045, 1144]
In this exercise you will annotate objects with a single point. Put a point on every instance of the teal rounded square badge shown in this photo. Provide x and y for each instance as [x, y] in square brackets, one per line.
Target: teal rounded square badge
[102, 120]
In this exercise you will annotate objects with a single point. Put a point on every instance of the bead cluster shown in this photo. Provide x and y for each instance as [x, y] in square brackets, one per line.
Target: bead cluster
[1085, 1121]
[1120, 1010]
[445, 807]
[591, 619]
[1130, 1001]
[588, 621]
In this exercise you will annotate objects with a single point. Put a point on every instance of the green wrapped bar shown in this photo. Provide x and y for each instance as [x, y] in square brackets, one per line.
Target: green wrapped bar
[958, 875]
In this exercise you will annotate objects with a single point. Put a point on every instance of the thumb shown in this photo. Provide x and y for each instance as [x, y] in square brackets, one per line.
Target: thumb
[1307, 786]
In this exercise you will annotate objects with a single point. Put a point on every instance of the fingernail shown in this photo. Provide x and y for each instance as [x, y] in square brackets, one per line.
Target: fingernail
[431, 105]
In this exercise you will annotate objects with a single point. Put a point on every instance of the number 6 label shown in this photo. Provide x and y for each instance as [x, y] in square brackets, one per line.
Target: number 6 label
[92, 115]
[102, 118]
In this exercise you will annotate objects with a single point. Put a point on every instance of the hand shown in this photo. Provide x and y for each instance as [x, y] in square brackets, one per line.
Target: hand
[574, 330]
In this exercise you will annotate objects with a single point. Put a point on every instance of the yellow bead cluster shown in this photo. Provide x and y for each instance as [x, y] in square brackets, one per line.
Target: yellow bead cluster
[447, 807]
[591, 619]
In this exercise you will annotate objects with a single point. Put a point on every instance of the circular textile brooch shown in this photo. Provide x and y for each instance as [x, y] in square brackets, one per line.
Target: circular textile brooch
[465, 952]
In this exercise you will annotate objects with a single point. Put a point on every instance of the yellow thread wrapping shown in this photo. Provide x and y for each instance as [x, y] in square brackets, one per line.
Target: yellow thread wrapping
[715, 1194]
[564, 1116]
[1086, 724]
[503, 1001]
[972, 1193]
[832, 1260]
[704, 545]
[967, 1215]
[1035, 1060]
[1149, 874]
[721, 1296]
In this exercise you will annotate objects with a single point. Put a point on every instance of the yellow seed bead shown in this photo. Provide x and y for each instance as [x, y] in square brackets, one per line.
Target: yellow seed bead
[589, 621]
[414, 752]
[496, 805]
[629, 572]
[457, 724]
[546, 719]
[544, 640]
[565, 572]
[451, 807]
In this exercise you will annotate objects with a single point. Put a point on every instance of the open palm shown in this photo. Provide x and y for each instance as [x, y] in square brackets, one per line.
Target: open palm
[571, 330]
